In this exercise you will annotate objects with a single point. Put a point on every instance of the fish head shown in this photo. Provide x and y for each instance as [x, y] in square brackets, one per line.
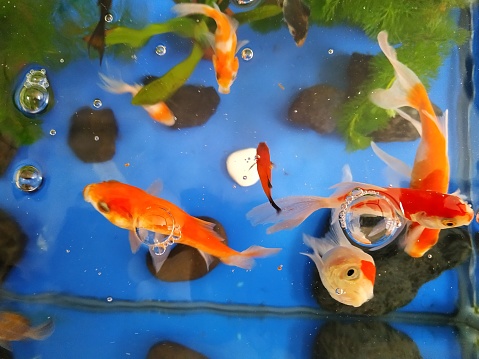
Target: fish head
[455, 213]
[111, 199]
[349, 274]
[226, 74]
[298, 34]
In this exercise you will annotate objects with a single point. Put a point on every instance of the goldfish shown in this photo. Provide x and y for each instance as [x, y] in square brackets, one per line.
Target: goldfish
[264, 166]
[131, 208]
[296, 14]
[430, 170]
[224, 42]
[430, 209]
[14, 327]
[159, 112]
[97, 38]
[346, 271]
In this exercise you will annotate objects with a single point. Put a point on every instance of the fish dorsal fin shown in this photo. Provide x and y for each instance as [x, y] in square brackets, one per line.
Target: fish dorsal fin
[208, 259]
[347, 175]
[394, 163]
[155, 188]
[240, 44]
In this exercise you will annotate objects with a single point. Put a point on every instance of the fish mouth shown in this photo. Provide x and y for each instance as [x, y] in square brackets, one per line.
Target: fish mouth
[86, 192]
[223, 90]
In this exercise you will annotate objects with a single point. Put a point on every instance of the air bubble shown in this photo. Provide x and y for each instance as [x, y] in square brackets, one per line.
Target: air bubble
[28, 178]
[429, 256]
[53, 132]
[109, 299]
[245, 2]
[245, 178]
[160, 50]
[330, 51]
[97, 138]
[62, 61]
[247, 54]
[108, 17]
[97, 103]
[339, 291]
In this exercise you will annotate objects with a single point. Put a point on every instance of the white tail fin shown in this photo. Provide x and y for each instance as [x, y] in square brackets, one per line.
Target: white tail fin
[396, 95]
[394, 163]
[184, 9]
[245, 259]
[118, 86]
[294, 210]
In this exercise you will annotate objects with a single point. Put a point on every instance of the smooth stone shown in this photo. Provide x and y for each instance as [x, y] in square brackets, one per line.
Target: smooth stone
[316, 107]
[363, 339]
[241, 167]
[85, 125]
[171, 350]
[185, 263]
[12, 243]
[8, 150]
[401, 276]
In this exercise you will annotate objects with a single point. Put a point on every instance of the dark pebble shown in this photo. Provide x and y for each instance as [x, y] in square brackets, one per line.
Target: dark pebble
[12, 243]
[185, 263]
[5, 353]
[172, 350]
[8, 150]
[85, 125]
[316, 107]
[365, 339]
[400, 276]
[357, 72]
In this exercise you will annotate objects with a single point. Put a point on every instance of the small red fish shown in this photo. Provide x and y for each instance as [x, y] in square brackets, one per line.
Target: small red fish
[97, 38]
[264, 166]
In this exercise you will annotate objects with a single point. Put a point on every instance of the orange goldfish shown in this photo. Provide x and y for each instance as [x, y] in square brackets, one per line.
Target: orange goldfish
[428, 208]
[264, 166]
[224, 42]
[133, 209]
[346, 271]
[431, 165]
[159, 112]
[14, 326]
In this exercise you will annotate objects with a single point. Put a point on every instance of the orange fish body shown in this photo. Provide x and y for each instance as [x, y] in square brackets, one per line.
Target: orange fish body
[130, 208]
[225, 43]
[264, 166]
[431, 165]
[160, 112]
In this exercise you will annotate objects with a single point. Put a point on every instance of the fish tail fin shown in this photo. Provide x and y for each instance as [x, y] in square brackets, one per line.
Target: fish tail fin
[42, 331]
[245, 259]
[294, 210]
[404, 89]
[118, 86]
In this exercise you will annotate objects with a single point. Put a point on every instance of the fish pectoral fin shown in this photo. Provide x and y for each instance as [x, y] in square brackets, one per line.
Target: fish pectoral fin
[240, 44]
[155, 188]
[42, 331]
[210, 38]
[416, 123]
[159, 259]
[207, 257]
[394, 163]
[135, 241]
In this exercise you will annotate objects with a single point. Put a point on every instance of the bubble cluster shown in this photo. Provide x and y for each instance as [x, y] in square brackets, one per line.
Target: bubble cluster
[34, 97]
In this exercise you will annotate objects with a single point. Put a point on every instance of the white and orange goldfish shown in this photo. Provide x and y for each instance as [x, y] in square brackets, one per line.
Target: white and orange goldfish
[264, 166]
[431, 165]
[346, 271]
[224, 42]
[160, 112]
[133, 209]
[14, 327]
[430, 209]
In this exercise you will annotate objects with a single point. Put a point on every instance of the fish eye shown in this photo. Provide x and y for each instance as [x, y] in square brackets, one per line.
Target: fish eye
[448, 222]
[103, 207]
[352, 273]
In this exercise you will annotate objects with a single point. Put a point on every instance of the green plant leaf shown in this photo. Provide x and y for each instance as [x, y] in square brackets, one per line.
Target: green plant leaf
[258, 13]
[162, 88]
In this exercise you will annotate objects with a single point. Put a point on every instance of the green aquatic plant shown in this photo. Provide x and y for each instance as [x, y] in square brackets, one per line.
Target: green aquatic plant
[427, 31]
